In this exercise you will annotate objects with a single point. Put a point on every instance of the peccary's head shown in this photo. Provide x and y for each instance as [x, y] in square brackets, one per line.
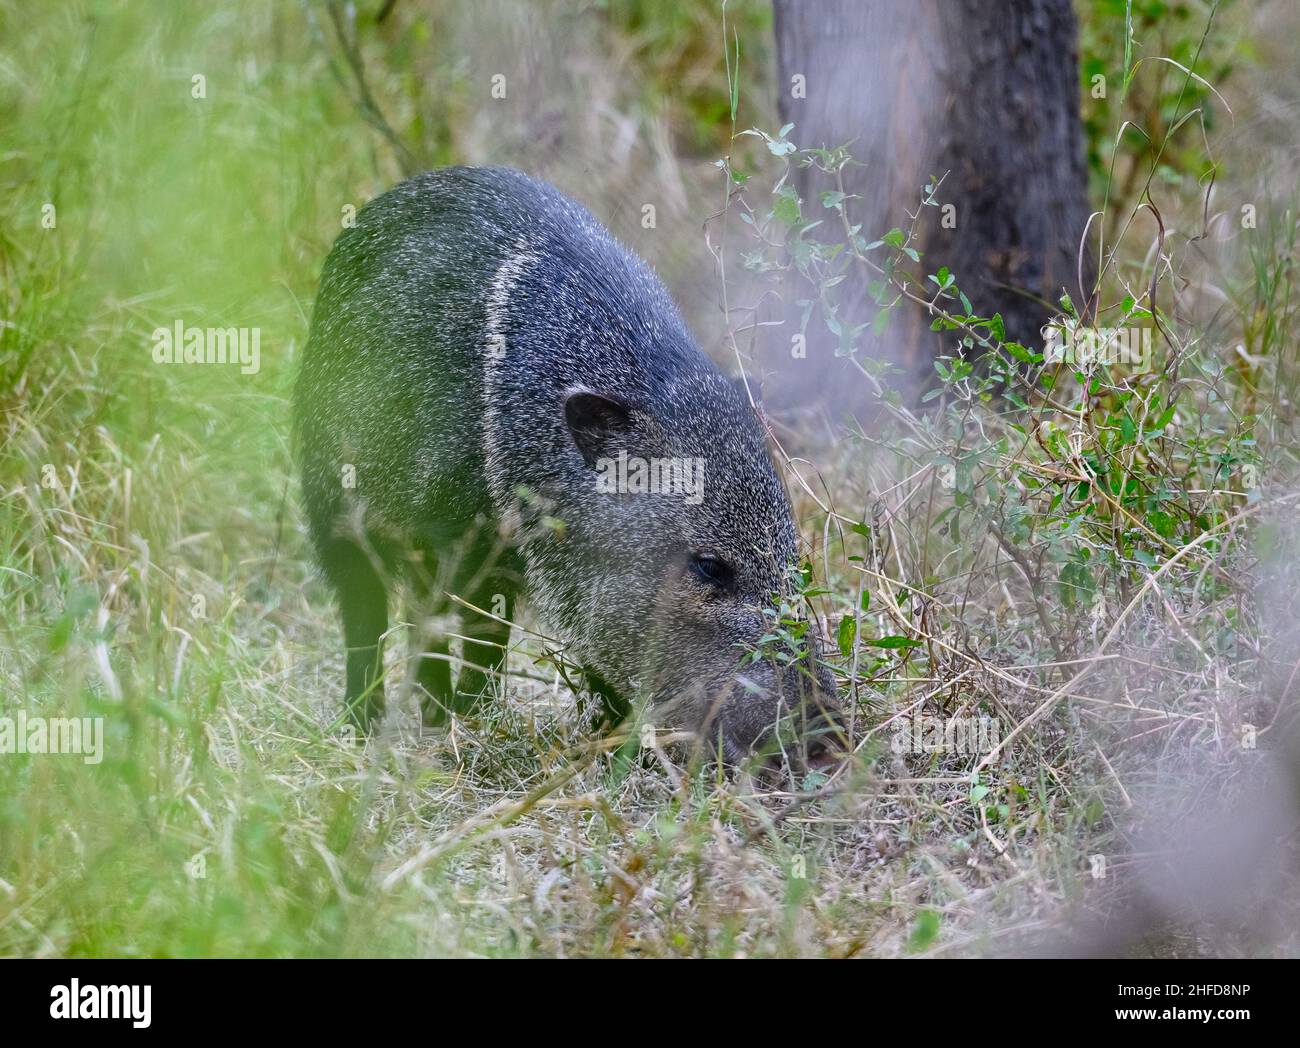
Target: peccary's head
[676, 553]
[687, 495]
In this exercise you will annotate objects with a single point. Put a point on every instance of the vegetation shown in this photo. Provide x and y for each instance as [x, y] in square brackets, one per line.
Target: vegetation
[1097, 557]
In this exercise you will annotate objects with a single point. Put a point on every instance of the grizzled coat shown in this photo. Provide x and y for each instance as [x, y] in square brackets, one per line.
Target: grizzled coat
[479, 344]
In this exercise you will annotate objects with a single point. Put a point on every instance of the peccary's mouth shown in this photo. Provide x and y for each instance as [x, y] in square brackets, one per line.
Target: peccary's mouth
[811, 736]
[820, 746]
[826, 743]
[764, 717]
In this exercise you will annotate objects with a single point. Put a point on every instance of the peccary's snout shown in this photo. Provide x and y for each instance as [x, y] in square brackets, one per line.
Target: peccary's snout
[733, 661]
[784, 713]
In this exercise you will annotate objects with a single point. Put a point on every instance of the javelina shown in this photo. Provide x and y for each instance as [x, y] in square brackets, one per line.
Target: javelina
[484, 360]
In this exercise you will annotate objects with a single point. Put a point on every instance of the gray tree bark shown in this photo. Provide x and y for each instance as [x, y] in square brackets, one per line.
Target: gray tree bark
[985, 91]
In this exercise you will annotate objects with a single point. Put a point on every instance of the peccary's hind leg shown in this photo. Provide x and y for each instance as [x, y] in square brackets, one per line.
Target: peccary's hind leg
[363, 606]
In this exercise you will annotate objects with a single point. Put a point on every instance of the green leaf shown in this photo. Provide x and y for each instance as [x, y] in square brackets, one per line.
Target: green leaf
[1020, 353]
[895, 642]
[848, 631]
[786, 207]
[734, 72]
[924, 931]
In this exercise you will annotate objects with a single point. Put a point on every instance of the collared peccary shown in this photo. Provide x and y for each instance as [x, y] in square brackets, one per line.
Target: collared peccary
[491, 388]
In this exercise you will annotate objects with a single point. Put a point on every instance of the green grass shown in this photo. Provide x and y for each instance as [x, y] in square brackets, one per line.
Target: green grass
[154, 571]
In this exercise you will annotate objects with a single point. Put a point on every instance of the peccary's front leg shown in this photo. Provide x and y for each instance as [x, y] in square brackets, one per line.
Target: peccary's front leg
[615, 708]
[487, 637]
[431, 647]
[484, 576]
[434, 679]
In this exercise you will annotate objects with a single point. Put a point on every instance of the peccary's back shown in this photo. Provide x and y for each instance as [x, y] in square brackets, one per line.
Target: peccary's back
[454, 314]
[391, 379]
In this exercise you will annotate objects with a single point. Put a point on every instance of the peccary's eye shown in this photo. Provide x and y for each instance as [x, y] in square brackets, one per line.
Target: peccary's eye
[714, 571]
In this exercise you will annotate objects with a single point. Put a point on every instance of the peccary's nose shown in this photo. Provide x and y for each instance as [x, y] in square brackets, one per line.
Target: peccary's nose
[821, 729]
[826, 743]
[787, 713]
[821, 741]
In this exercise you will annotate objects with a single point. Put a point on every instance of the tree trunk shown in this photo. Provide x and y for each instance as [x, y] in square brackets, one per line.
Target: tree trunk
[986, 92]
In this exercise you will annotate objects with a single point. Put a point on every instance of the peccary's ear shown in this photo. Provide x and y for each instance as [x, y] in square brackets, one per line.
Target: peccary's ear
[593, 421]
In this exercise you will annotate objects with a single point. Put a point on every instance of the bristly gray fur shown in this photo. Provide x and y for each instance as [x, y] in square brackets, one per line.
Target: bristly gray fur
[453, 323]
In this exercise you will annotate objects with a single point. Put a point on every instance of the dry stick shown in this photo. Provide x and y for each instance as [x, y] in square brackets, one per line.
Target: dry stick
[1060, 693]
[1020, 562]
[1128, 801]
[364, 100]
[499, 815]
[506, 810]
[1001, 672]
